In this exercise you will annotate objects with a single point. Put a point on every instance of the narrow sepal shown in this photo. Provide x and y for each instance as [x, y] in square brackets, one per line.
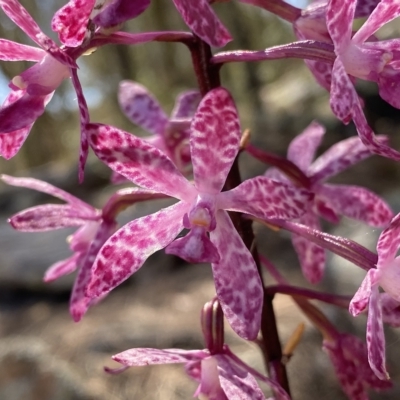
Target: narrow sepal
[360, 300]
[12, 51]
[63, 267]
[236, 279]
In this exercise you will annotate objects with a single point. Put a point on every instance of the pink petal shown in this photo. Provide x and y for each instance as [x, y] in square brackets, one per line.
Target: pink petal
[360, 300]
[389, 242]
[357, 203]
[302, 148]
[236, 382]
[62, 268]
[385, 11]
[22, 112]
[311, 256]
[389, 85]
[12, 51]
[141, 357]
[48, 217]
[80, 302]
[214, 140]
[71, 21]
[18, 14]
[376, 337]
[141, 107]
[339, 21]
[126, 251]
[186, 104]
[343, 94]
[390, 310]
[120, 11]
[138, 161]
[265, 198]
[45, 187]
[11, 142]
[368, 137]
[201, 19]
[84, 120]
[195, 247]
[339, 157]
[236, 279]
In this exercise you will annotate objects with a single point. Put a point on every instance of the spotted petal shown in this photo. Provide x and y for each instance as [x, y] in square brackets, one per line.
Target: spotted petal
[138, 161]
[389, 242]
[236, 279]
[339, 21]
[302, 149]
[126, 251]
[141, 107]
[265, 198]
[214, 140]
[358, 203]
[201, 19]
[376, 337]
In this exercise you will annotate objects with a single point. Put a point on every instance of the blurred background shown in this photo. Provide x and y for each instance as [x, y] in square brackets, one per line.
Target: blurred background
[43, 353]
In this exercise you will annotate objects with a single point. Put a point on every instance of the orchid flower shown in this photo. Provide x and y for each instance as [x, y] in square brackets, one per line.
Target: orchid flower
[171, 135]
[214, 144]
[95, 227]
[33, 89]
[201, 19]
[331, 200]
[221, 375]
[79, 18]
[387, 276]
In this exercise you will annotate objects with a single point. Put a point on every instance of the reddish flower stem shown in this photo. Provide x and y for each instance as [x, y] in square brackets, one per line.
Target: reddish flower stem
[208, 78]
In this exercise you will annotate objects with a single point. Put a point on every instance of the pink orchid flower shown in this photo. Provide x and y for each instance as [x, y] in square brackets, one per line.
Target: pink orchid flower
[331, 200]
[32, 89]
[214, 144]
[221, 375]
[95, 227]
[387, 276]
[201, 19]
[170, 135]
[348, 355]
[79, 18]
[371, 60]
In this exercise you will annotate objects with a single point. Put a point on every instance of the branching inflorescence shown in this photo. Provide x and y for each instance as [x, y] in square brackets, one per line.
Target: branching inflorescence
[193, 156]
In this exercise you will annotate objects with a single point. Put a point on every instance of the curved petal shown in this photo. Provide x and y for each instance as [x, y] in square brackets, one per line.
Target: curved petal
[343, 95]
[214, 140]
[141, 107]
[368, 137]
[358, 203]
[12, 51]
[390, 310]
[376, 337]
[126, 251]
[311, 256]
[237, 282]
[360, 300]
[21, 113]
[45, 187]
[339, 157]
[389, 242]
[143, 356]
[11, 142]
[236, 382]
[201, 19]
[186, 104]
[389, 85]
[62, 268]
[339, 21]
[18, 14]
[265, 198]
[48, 217]
[80, 302]
[120, 11]
[71, 21]
[384, 12]
[302, 148]
[138, 161]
